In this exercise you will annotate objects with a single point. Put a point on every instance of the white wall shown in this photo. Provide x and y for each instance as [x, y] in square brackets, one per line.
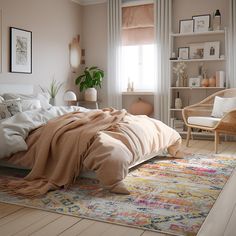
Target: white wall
[95, 42]
[54, 23]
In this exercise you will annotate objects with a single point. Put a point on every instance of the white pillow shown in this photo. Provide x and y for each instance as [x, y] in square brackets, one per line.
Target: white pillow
[222, 106]
[30, 104]
[13, 106]
[44, 100]
[4, 113]
[43, 97]
[1, 99]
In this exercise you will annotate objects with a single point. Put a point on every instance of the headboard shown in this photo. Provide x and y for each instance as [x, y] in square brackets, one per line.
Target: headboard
[17, 88]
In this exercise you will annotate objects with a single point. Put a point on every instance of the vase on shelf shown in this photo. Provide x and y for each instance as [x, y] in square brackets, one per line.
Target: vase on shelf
[212, 81]
[178, 102]
[205, 82]
[180, 81]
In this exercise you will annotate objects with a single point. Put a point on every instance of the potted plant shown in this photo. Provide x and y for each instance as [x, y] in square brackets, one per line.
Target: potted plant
[88, 81]
[53, 90]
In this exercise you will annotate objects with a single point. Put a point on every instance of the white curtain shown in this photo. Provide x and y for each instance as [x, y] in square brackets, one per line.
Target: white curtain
[114, 53]
[163, 10]
[232, 44]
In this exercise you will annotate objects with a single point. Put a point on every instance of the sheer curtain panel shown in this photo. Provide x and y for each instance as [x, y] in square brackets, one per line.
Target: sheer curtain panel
[232, 44]
[114, 54]
[163, 27]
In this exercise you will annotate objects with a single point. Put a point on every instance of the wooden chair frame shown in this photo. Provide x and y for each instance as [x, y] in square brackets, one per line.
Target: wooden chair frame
[226, 125]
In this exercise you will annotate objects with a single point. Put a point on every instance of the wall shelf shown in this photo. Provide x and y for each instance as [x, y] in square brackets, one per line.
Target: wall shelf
[177, 88]
[198, 33]
[200, 60]
[174, 109]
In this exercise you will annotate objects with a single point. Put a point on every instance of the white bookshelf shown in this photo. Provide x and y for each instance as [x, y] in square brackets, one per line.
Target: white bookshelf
[191, 95]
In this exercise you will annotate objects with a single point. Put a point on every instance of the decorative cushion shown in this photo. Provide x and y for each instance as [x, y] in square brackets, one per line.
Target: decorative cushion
[203, 121]
[43, 97]
[13, 106]
[222, 106]
[30, 104]
[4, 113]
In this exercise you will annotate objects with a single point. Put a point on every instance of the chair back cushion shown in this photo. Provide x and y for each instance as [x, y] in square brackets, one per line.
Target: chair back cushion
[222, 106]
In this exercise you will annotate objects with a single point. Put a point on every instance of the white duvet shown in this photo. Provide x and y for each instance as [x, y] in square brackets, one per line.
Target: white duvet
[14, 130]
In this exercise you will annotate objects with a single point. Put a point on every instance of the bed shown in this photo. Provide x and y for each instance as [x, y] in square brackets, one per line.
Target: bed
[58, 143]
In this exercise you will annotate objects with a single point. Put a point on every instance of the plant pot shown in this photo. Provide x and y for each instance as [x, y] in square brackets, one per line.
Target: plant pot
[52, 101]
[90, 95]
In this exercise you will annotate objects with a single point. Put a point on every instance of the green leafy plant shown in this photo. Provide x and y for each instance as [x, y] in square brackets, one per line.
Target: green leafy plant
[53, 89]
[91, 78]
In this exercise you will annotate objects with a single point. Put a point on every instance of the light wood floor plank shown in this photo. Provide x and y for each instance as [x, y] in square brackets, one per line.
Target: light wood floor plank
[98, 228]
[19, 224]
[78, 228]
[118, 230]
[56, 227]
[14, 216]
[231, 227]
[149, 233]
[8, 209]
[36, 226]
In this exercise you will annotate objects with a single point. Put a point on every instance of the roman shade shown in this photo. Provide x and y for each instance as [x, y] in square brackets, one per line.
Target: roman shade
[138, 25]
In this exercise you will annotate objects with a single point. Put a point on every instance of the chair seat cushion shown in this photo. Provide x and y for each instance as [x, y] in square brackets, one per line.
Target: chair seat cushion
[203, 121]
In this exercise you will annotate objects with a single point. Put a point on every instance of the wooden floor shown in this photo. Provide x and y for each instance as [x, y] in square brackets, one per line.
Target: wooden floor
[17, 220]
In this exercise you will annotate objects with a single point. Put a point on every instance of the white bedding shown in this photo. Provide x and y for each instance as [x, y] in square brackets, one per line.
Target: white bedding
[14, 130]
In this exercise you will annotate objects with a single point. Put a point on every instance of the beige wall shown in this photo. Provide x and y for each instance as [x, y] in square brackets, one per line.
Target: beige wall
[95, 41]
[54, 23]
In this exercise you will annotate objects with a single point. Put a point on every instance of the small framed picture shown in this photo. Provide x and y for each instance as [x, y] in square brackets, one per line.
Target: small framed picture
[201, 23]
[194, 82]
[196, 50]
[183, 53]
[211, 50]
[186, 26]
[20, 51]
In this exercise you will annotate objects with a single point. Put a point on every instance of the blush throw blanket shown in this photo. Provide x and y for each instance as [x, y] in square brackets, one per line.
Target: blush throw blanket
[106, 141]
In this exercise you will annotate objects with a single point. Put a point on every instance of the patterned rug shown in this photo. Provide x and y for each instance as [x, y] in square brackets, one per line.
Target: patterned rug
[167, 195]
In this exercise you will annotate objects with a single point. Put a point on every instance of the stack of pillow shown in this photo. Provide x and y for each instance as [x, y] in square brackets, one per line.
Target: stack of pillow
[10, 104]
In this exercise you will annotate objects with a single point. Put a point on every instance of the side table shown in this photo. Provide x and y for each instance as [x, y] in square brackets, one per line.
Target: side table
[89, 105]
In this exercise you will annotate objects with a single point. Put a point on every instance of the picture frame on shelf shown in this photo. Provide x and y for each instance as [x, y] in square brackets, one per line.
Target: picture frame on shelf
[183, 53]
[20, 51]
[196, 50]
[201, 23]
[212, 50]
[186, 26]
[194, 82]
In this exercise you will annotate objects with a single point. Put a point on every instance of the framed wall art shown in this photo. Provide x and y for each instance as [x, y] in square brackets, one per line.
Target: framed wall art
[186, 26]
[196, 50]
[20, 51]
[212, 50]
[201, 23]
[183, 53]
[194, 82]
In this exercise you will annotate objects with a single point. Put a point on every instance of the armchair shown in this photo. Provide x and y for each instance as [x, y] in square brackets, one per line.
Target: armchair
[199, 116]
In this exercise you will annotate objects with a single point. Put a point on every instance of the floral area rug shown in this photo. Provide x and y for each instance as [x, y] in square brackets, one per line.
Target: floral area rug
[167, 195]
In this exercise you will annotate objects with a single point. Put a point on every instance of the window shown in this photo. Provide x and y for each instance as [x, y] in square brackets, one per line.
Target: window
[138, 47]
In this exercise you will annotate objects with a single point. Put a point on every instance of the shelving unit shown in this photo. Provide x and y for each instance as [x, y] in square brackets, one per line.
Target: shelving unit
[191, 95]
